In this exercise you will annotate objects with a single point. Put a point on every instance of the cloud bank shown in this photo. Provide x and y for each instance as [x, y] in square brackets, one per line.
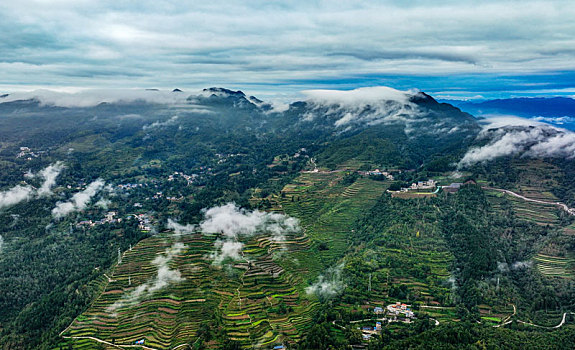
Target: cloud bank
[555, 120]
[512, 136]
[371, 106]
[21, 193]
[79, 200]
[93, 97]
[233, 222]
[164, 277]
[329, 284]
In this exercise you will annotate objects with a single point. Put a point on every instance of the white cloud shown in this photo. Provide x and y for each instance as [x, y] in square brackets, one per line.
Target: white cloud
[555, 120]
[328, 284]
[272, 43]
[228, 249]
[181, 229]
[159, 124]
[93, 97]
[21, 193]
[524, 137]
[232, 222]
[359, 97]
[49, 174]
[370, 106]
[15, 195]
[79, 200]
[164, 277]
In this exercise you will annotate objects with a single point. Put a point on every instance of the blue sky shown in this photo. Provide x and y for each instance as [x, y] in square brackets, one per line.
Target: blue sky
[274, 49]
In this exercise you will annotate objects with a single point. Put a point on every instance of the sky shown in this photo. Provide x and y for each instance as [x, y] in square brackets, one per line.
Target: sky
[274, 49]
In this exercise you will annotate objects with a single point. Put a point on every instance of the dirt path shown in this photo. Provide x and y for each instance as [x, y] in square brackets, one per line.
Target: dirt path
[507, 320]
[552, 327]
[563, 206]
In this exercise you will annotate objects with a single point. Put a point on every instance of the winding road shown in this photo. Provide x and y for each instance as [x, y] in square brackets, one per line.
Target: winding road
[563, 206]
[546, 327]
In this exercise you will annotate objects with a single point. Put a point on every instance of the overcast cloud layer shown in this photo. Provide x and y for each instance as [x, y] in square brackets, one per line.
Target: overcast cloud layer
[282, 47]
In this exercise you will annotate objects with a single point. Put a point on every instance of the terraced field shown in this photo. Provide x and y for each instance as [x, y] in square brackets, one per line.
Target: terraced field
[259, 301]
[242, 296]
[555, 266]
[421, 263]
[327, 210]
[539, 213]
[547, 261]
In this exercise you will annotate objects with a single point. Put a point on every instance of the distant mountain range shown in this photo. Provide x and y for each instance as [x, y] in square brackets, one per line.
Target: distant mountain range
[559, 111]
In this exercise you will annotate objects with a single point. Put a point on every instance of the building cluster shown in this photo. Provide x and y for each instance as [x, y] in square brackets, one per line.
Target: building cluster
[399, 310]
[423, 185]
[144, 222]
[420, 185]
[130, 186]
[368, 332]
[26, 153]
[189, 178]
[111, 217]
[377, 172]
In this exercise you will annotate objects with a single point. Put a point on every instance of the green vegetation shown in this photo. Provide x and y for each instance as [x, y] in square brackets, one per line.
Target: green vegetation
[479, 268]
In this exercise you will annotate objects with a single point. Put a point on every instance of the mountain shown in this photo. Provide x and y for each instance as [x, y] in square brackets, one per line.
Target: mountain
[213, 220]
[404, 125]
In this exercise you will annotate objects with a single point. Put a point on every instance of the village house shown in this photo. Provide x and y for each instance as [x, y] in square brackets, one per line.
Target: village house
[399, 309]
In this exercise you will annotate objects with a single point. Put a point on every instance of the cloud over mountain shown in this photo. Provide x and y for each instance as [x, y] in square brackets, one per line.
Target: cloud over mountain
[509, 136]
[373, 105]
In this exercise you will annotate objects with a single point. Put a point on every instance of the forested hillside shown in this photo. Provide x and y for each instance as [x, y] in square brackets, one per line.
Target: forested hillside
[221, 222]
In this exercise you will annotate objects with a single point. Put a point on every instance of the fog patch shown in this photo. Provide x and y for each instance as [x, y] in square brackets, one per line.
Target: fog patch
[328, 284]
[49, 174]
[94, 97]
[164, 277]
[158, 124]
[15, 195]
[20, 193]
[521, 265]
[79, 200]
[232, 223]
[181, 229]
